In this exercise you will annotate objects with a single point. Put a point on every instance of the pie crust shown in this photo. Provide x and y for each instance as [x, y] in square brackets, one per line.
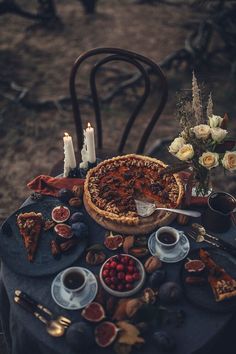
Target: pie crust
[30, 226]
[111, 186]
[222, 284]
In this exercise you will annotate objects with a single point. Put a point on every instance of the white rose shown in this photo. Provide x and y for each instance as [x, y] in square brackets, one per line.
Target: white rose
[218, 134]
[215, 121]
[185, 153]
[209, 160]
[229, 160]
[201, 131]
[176, 145]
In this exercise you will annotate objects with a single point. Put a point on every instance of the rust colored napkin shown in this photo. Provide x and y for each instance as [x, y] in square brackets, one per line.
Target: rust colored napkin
[48, 185]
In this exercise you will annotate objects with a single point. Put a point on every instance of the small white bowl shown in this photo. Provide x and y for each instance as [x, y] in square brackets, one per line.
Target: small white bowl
[138, 285]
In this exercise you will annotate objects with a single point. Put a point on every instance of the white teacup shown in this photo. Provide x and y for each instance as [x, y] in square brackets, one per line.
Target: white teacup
[73, 280]
[167, 238]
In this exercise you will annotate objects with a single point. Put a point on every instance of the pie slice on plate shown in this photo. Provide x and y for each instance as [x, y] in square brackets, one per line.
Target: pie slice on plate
[30, 225]
[222, 284]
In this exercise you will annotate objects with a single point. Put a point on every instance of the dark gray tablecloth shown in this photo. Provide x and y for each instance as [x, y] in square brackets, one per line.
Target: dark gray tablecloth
[26, 335]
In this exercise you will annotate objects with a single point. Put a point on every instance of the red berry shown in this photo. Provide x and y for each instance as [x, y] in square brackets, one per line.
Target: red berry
[130, 269]
[120, 267]
[129, 286]
[125, 260]
[106, 266]
[131, 262]
[105, 273]
[121, 275]
[114, 280]
[120, 287]
[136, 276]
[107, 281]
[112, 272]
[113, 265]
[129, 278]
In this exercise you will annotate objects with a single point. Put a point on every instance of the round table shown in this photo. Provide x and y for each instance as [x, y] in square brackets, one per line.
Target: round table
[198, 332]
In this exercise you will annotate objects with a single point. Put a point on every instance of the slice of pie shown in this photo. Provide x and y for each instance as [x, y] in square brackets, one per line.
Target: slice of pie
[30, 225]
[222, 284]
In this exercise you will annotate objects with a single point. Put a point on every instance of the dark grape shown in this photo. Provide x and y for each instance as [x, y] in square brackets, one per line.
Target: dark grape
[170, 292]
[65, 194]
[79, 336]
[79, 229]
[157, 278]
[164, 341]
[76, 217]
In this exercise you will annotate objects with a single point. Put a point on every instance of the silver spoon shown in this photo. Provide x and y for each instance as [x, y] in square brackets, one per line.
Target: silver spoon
[145, 209]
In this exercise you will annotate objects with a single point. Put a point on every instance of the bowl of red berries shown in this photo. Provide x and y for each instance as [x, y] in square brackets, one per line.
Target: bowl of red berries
[122, 275]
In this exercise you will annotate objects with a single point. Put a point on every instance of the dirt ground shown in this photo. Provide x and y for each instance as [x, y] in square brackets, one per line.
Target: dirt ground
[40, 60]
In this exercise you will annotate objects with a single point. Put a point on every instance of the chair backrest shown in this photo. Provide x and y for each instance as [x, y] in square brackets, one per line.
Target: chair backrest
[145, 66]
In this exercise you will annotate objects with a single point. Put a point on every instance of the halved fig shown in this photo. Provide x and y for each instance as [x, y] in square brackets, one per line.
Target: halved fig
[60, 214]
[63, 230]
[194, 266]
[93, 312]
[113, 242]
[105, 334]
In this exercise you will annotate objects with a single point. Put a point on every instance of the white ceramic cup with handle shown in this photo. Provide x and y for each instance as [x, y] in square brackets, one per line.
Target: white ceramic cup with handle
[73, 280]
[167, 238]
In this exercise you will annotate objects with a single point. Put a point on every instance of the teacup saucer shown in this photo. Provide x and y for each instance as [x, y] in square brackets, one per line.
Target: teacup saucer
[176, 254]
[80, 299]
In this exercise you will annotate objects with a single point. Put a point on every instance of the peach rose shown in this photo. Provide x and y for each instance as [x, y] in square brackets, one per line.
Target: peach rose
[229, 161]
[185, 153]
[202, 131]
[209, 160]
[218, 134]
[176, 144]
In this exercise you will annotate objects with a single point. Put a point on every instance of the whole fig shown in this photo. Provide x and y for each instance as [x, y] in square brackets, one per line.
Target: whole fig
[79, 229]
[65, 194]
[76, 217]
[157, 278]
[170, 292]
[164, 341]
[79, 336]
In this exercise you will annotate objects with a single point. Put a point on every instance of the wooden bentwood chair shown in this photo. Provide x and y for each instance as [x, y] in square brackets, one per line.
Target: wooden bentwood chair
[145, 68]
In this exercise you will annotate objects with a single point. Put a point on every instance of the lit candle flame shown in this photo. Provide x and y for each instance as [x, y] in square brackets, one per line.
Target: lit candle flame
[89, 125]
[66, 134]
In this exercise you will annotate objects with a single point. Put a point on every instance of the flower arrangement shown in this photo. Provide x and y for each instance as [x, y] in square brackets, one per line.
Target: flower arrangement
[202, 137]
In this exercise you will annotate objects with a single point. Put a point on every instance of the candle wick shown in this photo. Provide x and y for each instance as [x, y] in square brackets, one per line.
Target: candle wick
[89, 125]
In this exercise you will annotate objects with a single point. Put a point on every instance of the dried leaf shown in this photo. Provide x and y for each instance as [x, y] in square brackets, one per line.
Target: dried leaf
[120, 348]
[96, 247]
[95, 257]
[129, 334]
[225, 121]
[120, 312]
[132, 306]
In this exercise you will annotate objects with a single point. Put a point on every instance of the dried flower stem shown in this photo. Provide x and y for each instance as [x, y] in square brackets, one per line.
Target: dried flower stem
[196, 100]
[209, 106]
